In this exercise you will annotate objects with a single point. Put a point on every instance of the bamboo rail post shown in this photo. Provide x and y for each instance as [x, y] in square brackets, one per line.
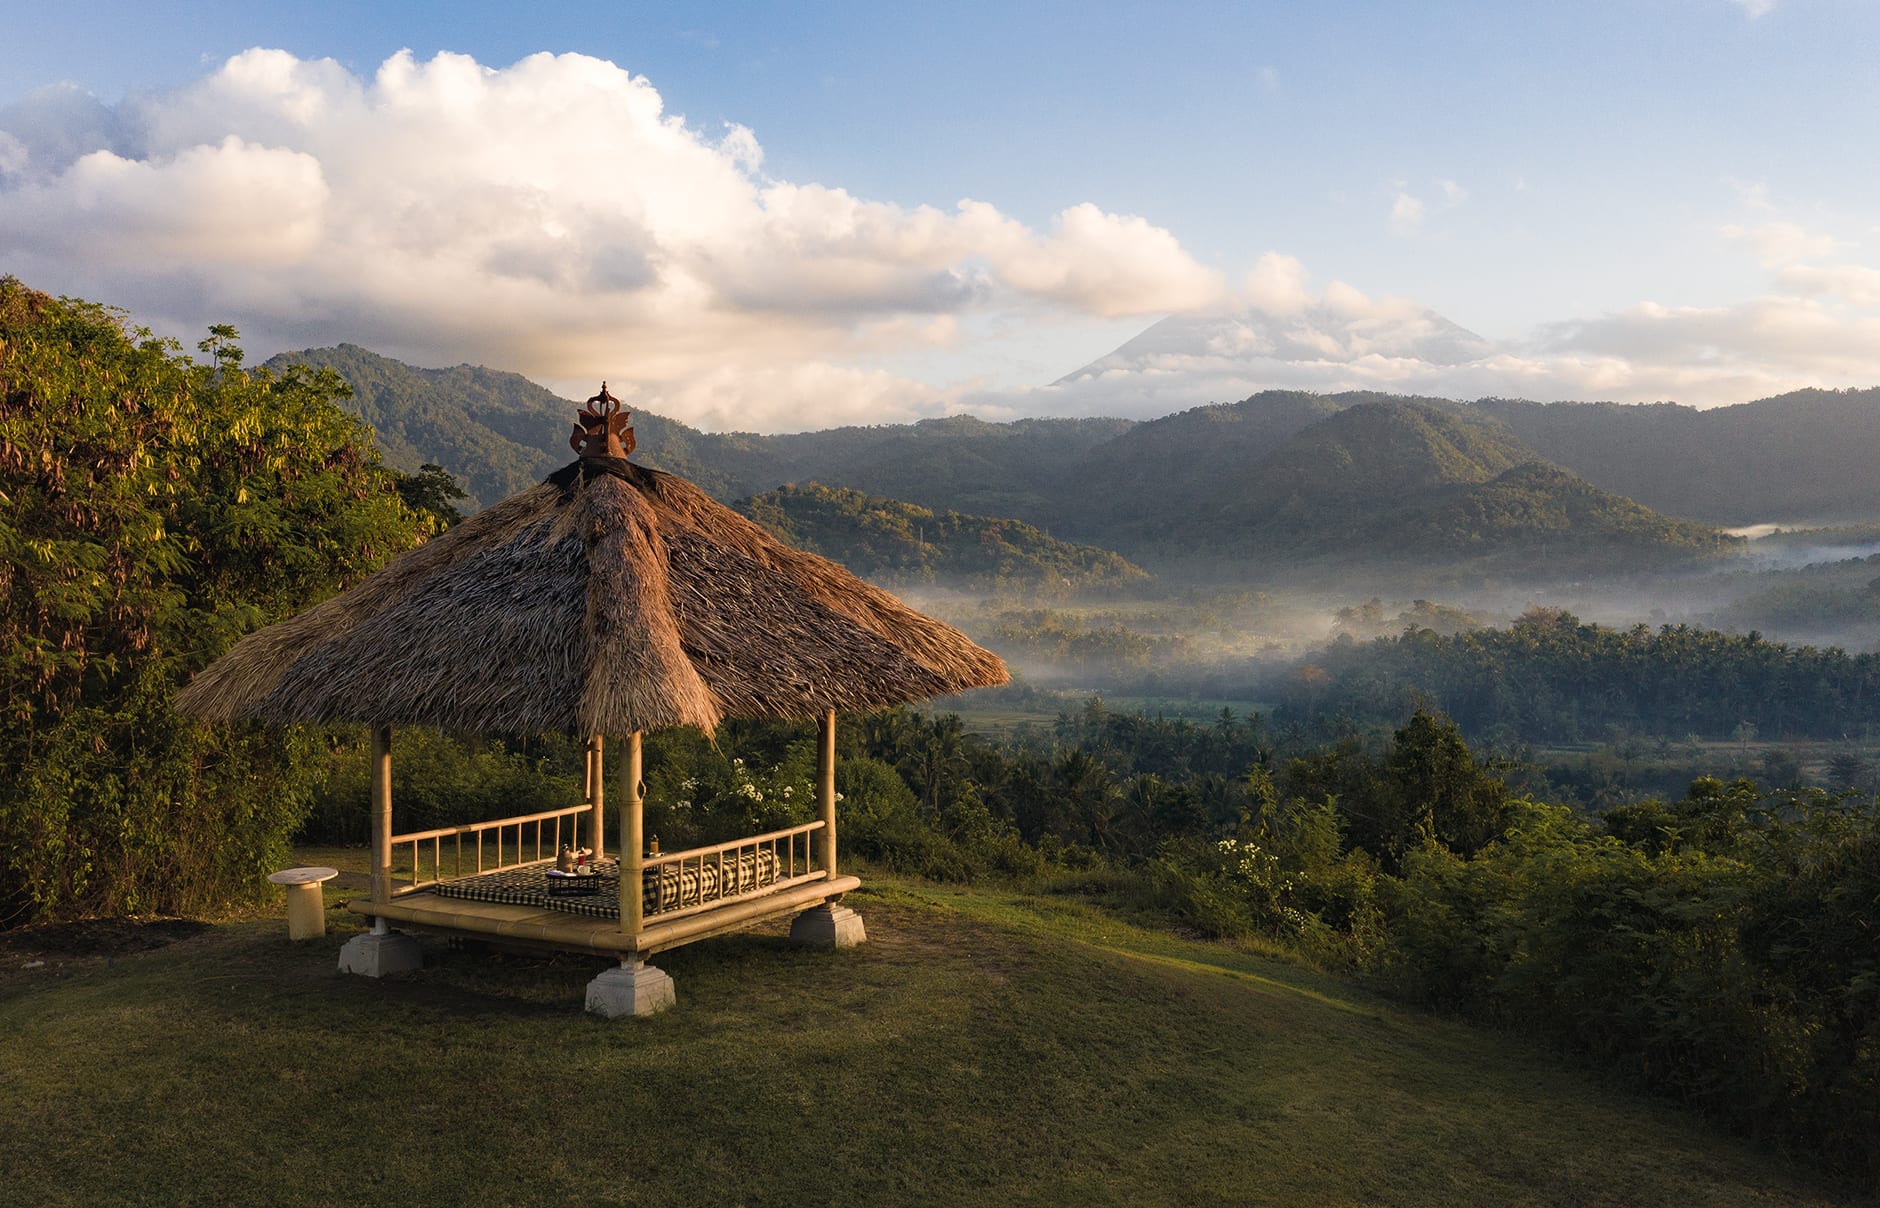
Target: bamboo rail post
[635, 987]
[830, 925]
[381, 950]
[381, 817]
[632, 840]
[826, 787]
[597, 797]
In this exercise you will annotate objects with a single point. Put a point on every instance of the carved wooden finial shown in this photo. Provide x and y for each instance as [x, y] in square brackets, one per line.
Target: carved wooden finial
[601, 430]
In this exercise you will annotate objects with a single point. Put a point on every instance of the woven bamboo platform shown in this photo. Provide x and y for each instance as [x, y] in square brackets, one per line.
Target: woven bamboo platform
[560, 931]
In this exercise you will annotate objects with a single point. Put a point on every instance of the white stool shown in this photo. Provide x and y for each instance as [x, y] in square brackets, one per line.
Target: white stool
[306, 904]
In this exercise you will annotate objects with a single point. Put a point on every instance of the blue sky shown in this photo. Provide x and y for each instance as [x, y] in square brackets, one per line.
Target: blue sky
[1639, 200]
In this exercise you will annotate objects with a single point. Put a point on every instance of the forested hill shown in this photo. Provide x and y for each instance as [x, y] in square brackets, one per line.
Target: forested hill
[1023, 469]
[1280, 476]
[1539, 516]
[1185, 455]
[501, 433]
[893, 541]
[1802, 457]
[1310, 472]
[1390, 481]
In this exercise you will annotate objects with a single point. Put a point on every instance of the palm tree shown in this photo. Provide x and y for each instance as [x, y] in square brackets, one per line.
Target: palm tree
[1088, 797]
[937, 757]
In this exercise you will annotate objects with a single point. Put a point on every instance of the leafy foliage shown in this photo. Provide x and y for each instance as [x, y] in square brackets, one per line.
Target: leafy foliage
[152, 510]
[433, 492]
[1724, 956]
[1552, 676]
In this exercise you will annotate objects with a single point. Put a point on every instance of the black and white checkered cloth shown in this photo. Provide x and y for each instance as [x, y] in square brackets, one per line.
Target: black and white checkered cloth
[664, 886]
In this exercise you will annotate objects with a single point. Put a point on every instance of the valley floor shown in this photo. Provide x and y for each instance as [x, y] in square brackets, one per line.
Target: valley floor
[985, 1047]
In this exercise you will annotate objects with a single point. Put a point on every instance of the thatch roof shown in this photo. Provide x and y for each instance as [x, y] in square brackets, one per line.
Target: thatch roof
[607, 599]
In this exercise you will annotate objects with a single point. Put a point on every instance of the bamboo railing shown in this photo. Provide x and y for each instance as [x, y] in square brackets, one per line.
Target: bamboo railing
[735, 868]
[543, 834]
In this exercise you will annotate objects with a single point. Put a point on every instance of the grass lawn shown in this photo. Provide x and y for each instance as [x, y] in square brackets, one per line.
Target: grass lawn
[983, 1048]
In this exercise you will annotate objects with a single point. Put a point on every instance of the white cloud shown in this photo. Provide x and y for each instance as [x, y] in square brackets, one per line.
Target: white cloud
[1781, 242]
[1755, 8]
[177, 209]
[1105, 265]
[548, 217]
[809, 394]
[1816, 325]
[13, 155]
[1269, 78]
[1855, 283]
[1277, 284]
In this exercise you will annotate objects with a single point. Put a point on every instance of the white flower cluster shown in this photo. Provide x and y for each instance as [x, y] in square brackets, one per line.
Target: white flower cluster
[1258, 867]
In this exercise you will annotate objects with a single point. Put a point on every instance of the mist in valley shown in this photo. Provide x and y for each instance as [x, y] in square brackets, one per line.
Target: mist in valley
[1172, 641]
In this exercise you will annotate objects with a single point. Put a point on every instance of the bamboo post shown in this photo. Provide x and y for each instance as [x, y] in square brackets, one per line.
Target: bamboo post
[381, 814]
[632, 840]
[826, 787]
[597, 797]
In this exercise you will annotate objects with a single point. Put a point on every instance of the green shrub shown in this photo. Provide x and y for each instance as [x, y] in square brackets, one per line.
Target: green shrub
[152, 511]
[1194, 880]
[881, 822]
[1745, 981]
[439, 780]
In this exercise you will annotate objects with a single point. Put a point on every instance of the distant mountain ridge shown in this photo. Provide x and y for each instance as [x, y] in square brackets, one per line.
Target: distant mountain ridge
[1807, 456]
[1279, 476]
[1395, 482]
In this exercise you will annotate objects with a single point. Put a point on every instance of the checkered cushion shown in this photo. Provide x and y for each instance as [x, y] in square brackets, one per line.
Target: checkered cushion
[665, 886]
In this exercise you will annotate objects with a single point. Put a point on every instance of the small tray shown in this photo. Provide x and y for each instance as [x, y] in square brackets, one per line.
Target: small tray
[572, 884]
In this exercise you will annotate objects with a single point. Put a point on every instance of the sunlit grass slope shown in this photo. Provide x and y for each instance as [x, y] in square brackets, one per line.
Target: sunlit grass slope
[983, 1048]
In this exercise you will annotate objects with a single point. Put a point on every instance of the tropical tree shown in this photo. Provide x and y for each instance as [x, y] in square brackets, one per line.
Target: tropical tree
[152, 510]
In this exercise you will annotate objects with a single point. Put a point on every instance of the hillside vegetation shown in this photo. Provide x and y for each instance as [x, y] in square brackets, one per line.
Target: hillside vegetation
[1552, 677]
[1540, 517]
[1283, 477]
[1800, 457]
[1805, 456]
[502, 433]
[894, 541]
[1024, 469]
[1394, 482]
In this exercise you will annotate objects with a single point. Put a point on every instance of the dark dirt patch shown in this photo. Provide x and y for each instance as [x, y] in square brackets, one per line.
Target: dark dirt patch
[96, 937]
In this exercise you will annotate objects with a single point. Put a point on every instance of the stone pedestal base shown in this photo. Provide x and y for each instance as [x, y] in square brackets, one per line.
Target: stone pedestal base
[375, 955]
[827, 926]
[630, 989]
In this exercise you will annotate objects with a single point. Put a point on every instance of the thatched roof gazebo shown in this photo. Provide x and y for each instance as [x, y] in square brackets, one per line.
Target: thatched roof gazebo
[611, 599]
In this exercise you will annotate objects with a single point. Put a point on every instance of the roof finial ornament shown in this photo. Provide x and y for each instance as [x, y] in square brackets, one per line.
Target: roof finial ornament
[601, 430]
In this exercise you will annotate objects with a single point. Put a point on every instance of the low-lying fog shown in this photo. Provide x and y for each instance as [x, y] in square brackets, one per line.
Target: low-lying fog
[1808, 586]
[1787, 547]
